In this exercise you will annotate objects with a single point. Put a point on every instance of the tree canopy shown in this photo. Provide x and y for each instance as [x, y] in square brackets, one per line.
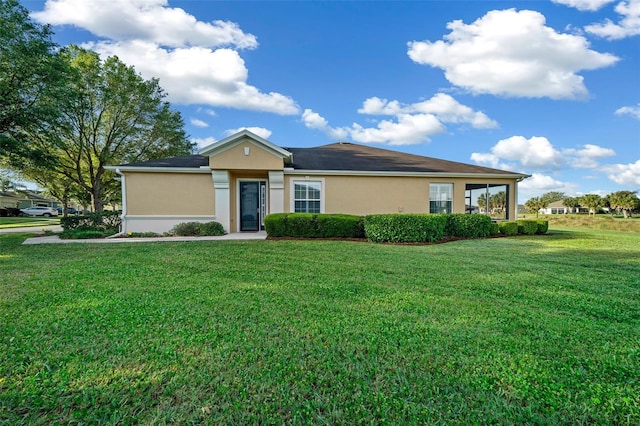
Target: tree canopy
[32, 76]
[592, 202]
[625, 201]
[111, 115]
[535, 204]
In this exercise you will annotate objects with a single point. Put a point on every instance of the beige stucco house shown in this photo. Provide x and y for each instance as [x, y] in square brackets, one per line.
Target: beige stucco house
[237, 181]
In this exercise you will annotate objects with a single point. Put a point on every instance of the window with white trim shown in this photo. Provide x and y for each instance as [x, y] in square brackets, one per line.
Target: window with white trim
[307, 196]
[441, 198]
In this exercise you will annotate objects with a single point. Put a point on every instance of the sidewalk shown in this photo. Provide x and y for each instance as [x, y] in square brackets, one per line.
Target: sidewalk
[31, 229]
[234, 236]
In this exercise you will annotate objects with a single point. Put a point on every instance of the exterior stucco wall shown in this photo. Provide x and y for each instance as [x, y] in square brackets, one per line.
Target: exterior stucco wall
[362, 195]
[170, 194]
[234, 158]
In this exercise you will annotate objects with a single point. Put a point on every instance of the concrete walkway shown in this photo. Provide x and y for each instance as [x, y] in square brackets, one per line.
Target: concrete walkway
[234, 236]
[31, 229]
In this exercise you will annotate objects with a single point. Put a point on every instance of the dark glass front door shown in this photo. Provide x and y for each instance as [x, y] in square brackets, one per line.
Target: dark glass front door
[249, 206]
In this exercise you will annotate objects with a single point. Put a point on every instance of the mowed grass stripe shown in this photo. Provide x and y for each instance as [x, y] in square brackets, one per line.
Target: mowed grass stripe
[540, 329]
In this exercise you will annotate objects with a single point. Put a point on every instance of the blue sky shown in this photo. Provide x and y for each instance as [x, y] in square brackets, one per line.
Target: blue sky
[548, 88]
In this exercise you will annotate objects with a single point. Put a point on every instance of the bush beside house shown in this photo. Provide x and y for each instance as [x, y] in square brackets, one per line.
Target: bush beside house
[312, 225]
[91, 225]
[395, 228]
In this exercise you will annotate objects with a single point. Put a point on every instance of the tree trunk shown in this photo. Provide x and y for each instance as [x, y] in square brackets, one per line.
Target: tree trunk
[96, 199]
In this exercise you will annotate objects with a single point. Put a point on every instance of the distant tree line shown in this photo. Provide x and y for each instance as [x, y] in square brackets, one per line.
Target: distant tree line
[622, 202]
[66, 113]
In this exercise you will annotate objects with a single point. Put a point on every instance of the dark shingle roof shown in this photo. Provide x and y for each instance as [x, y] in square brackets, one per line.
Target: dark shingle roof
[344, 156]
[347, 156]
[187, 161]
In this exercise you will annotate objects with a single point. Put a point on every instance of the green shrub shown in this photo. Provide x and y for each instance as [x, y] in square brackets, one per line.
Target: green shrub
[468, 225]
[106, 221]
[276, 224]
[508, 228]
[405, 228]
[495, 228]
[302, 225]
[84, 232]
[314, 225]
[211, 229]
[186, 229]
[543, 226]
[527, 227]
[340, 226]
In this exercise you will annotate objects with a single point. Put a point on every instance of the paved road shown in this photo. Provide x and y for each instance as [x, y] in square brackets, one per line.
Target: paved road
[31, 229]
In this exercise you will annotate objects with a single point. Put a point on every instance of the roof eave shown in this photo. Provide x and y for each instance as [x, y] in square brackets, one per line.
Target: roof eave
[203, 169]
[291, 171]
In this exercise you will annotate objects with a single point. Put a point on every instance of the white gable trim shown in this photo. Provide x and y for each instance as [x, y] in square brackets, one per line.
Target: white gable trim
[241, 137]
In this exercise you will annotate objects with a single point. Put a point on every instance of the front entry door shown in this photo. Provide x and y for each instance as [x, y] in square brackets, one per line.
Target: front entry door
[252, 205]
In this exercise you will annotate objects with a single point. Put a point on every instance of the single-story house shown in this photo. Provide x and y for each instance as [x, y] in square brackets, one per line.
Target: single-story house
[558, 208]
[238, 180]
[25, 199]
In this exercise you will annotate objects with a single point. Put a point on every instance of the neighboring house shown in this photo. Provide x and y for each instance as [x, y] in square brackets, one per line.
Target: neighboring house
[10, 199]
[557, 208]
[24, 199]
[34, 199]
[237, 181]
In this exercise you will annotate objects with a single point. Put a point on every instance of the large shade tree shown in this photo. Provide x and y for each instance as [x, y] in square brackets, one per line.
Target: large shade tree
[110, 116]
[32, 77]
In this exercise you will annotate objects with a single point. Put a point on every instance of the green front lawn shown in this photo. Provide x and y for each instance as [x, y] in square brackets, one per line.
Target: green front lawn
[522, 330]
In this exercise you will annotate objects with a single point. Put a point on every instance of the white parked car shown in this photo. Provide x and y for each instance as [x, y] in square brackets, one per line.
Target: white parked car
[40, 211]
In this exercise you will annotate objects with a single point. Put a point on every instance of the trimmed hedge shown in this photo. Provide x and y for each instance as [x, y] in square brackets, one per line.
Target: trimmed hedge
[468, 225]
[527, 227]
[543, 226]
[109, 221]
[314, 225]
[405, 228]
[495, 228]
[192, 229]
[394, 228]
[508, 228]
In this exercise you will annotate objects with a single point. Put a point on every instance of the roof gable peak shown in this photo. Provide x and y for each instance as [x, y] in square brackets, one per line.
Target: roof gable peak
[240, 137]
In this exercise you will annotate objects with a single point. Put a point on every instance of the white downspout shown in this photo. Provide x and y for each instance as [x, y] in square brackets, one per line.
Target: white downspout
[123, 186]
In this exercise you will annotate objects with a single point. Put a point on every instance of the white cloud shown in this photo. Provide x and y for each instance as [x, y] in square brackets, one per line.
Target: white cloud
[625, 174]
[512, 53]
[540, 182]
[629, 24]
[538, 153]
[406, 130]
[313, 120]
[584, 5]
[150, 20]
[198, 75]
[199, 123]
[207, 111]
[260, 131]
[196, 62]
[202, 142]
[410, 123]
[633, 111]
[443, 106]
[587, 156]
